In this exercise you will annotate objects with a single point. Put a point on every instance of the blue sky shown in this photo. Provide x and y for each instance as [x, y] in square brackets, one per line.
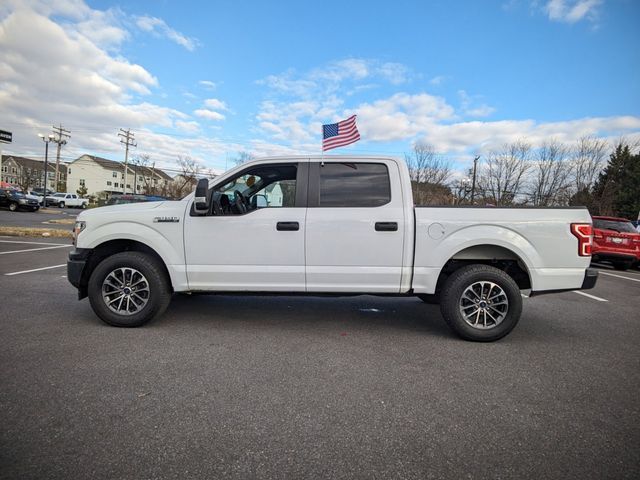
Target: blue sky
[210, 79]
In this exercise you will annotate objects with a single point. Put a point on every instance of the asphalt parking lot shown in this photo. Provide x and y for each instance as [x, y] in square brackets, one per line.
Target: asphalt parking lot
[284, 387]
[40, 218]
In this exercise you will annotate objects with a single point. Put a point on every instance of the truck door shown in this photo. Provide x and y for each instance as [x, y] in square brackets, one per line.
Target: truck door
[253, 237]
[355, 227]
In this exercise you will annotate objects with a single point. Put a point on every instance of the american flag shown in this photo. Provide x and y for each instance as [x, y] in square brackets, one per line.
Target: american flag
[340, 134]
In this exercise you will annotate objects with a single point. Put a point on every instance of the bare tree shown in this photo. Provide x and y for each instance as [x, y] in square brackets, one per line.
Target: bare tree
[27, 177]
[140, 164]
[242, 157]
[550, 180]
[589, 158]
[186, 180]
[429, 173]
[502, 177]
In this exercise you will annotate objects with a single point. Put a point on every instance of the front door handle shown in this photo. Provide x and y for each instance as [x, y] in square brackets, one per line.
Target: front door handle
[386, 226]
[287, 226]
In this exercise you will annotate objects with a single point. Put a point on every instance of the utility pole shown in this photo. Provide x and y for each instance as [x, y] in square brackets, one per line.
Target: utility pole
[128, 141]
[60, 135]
[473, 181]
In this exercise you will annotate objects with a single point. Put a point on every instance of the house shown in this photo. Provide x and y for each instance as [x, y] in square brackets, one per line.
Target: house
[27, 173]
[98, 175]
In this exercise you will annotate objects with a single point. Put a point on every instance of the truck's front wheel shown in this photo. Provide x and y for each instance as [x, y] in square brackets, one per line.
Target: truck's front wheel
[129, 289]
[481, 303]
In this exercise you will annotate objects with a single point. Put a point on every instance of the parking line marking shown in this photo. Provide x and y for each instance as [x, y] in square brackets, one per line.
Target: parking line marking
[590, 296]
[620, 276]
[32, 243]
[35, 270]
[35, 249]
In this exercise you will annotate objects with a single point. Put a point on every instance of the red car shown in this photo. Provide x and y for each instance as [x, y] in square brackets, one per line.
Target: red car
[615, 240]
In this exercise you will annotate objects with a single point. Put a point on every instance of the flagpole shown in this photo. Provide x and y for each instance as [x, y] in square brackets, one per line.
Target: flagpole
[322, 147]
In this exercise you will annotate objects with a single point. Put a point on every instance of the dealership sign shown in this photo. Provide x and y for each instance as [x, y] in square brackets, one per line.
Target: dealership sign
[5, 137]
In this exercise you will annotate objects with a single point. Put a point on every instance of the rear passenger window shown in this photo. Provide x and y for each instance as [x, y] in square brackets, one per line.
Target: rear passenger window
[354, 185]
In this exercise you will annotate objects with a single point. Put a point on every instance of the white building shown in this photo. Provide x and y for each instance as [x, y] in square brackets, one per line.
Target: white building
[101, 175]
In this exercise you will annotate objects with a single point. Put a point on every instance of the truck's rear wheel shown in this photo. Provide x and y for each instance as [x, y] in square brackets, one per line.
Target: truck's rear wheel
[129, 289]
[481, 303]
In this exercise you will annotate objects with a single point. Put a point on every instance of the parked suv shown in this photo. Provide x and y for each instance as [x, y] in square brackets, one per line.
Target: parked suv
[615, 240]
[14, 200]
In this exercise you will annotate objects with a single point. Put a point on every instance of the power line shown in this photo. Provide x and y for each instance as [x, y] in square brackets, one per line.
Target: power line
[128, 141]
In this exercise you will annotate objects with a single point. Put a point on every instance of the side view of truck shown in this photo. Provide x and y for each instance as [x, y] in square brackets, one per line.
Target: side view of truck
[68, 200]
[330, 225]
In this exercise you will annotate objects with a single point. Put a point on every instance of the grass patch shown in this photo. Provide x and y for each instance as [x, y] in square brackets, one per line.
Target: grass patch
[56, 211]
[35, 232]
[62, 221]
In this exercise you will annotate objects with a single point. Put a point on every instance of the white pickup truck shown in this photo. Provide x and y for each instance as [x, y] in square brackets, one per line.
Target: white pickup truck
[67, 200]
[328, 226]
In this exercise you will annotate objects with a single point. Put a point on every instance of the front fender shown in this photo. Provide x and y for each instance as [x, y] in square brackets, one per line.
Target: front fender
[168, 245]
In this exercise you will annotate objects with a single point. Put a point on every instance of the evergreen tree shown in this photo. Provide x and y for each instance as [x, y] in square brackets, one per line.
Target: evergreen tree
[617, 191]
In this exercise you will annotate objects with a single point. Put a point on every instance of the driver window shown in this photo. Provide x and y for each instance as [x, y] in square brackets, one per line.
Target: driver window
[270, 186]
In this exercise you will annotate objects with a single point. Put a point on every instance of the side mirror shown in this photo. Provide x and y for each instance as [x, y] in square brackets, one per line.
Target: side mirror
[201, 198]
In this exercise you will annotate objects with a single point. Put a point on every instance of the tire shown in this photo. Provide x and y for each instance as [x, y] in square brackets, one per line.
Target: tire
[468, 281]
[35, 209]
[621, 265]
[13, 206]
[431, 299]
[83, 206]
[60, 204]
[157, 294]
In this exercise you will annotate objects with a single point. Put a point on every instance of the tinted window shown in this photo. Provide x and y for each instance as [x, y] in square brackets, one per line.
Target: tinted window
[354, 185]
[614, 225]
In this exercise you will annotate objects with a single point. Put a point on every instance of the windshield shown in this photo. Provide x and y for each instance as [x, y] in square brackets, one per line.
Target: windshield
[615, 225]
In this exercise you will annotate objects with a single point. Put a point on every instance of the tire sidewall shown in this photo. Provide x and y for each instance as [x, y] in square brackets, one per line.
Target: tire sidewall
[456, 286]
[13, 206]
[61, 205]
[145, 265]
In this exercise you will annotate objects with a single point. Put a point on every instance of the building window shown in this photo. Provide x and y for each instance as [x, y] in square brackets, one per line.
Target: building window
[128, 186]
[114, 174]
[108, 184]
[116, 185]
[68, 171]
[82, 182]
[13, 169]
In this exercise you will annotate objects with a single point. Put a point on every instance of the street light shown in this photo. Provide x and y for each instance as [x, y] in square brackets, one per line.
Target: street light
[46, 141]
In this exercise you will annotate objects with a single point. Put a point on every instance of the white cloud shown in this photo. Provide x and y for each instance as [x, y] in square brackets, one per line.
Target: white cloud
[470, 106]
[89, 86]
[208, 84]
[572, 11]
[215, 104]
[159, 27]
[209, 114]
[187, 126]
[437, 80]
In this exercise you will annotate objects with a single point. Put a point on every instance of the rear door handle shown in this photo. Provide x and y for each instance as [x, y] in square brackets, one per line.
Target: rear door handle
[386, 226]
[287, 226]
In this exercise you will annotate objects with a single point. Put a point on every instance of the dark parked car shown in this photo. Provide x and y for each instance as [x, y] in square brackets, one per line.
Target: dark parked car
[14, 200]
